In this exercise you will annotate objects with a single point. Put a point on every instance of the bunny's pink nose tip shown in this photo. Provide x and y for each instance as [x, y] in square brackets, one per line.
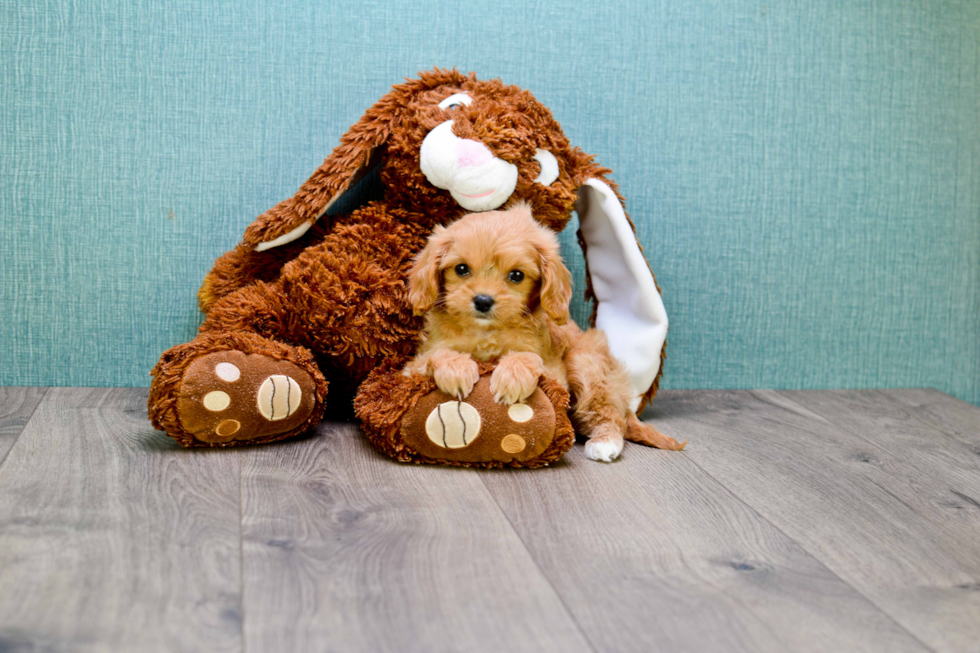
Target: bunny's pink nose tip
[472, 153]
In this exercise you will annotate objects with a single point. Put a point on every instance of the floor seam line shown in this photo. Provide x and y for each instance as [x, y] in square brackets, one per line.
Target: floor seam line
[44, 395]
[880, 449]
[816, 559]
[810, 553]
[926, 420]
[544, 575]
[241, 549]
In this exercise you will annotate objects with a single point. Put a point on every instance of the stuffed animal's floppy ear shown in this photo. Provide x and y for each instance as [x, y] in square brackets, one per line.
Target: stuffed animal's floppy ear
[347, 164]
[424, 280]
[628, 306]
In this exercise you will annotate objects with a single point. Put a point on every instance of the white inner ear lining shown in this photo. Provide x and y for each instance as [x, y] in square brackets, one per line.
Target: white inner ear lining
[298, 232]
[630, 309]
[285, 238]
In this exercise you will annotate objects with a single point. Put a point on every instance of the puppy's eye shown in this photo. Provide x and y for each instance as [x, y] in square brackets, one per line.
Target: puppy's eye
[462, 270]
[455, 101]
[516, 276]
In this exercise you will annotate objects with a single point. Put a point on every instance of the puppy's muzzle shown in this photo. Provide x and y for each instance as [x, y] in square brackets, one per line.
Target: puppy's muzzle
[483, 303]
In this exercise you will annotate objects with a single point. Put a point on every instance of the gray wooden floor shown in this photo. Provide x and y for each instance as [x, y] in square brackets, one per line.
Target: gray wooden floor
[794, 521]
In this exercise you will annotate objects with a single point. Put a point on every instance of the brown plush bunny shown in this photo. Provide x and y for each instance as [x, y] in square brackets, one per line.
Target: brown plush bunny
[311, 299]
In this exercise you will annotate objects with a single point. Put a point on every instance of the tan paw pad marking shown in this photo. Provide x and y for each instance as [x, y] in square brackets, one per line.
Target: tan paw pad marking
[228, 427]
[227, 372]
[278, 397]
[520, 413]
[453, 424]
[216, 401]
[513, 443]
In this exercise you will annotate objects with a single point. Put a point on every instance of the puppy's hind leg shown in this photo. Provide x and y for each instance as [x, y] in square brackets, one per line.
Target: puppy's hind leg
[605, 444]
[600, 389]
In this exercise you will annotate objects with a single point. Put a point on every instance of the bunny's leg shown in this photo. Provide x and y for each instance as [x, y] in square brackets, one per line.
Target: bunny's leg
[409, 418]
[348, 296]
[238, 382]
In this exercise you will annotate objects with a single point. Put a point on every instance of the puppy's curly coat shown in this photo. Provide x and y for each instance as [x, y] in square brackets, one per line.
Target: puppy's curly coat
[493, 285]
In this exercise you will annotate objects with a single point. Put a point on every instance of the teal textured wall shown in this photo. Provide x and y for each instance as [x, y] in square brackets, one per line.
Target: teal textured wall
[805, 176]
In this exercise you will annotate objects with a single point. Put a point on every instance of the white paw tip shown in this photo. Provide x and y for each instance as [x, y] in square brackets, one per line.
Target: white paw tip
[520, 412]
[279, 397]
[227, 372]
[453, 424]
[604, 451]
[216, 401]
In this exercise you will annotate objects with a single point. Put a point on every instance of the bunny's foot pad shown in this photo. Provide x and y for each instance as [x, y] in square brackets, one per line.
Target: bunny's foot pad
[411, 420]
[230, 397]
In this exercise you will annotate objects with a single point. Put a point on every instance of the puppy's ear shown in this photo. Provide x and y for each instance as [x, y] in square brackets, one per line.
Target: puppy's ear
[425, 279]
[556, 280]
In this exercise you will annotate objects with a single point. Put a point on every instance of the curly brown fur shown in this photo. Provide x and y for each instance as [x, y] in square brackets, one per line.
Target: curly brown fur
[508, 120]
[387, 395]
[339, 289]
[335, 298]
[493, 286]
[232, 267]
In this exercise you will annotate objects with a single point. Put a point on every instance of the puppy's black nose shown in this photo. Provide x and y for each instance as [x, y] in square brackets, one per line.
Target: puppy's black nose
[483, 303]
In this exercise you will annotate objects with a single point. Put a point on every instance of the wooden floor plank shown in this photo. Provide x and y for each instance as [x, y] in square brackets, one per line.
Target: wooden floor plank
[954, 416]
[111, 537]
[794, 521]
[870, 514]
[652, 554]
[345, 549]
[890, 425]
[16, 407]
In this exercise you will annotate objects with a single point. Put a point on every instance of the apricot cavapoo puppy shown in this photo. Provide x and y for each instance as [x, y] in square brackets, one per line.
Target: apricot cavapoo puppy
[492, 285]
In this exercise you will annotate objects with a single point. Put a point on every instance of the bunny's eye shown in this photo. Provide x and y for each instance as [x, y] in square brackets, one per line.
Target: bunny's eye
[456, 101]
[549, 167]
[516, 276]
[462, 270]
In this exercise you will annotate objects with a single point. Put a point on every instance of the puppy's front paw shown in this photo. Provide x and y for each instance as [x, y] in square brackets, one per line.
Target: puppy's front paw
[456, 375]
[516, 377]
[416, 366]
[604, 448]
